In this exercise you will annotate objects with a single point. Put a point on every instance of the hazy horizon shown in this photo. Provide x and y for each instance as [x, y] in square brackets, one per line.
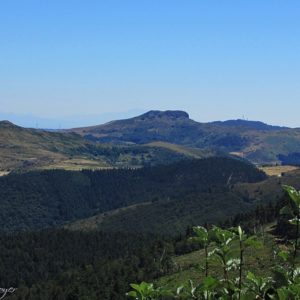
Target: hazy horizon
[73, 121]
[216, 60]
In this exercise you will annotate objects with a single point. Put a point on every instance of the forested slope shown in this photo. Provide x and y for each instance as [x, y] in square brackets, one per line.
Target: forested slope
[51, 198]
[59, 264]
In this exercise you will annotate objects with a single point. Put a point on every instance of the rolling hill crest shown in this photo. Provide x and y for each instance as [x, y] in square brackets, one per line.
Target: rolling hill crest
[258, 142]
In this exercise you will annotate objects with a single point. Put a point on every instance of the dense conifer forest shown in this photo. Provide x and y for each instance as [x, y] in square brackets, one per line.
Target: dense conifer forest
[42, 199]
[44, 261]
[59, 264]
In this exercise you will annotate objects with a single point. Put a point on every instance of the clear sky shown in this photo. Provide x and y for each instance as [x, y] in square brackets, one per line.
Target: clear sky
[216, 60]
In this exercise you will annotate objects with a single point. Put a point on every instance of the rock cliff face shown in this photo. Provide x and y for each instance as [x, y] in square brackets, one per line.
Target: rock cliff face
[168, 114]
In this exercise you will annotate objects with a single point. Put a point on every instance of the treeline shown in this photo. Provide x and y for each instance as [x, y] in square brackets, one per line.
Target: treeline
[51, 198]
[290, 159]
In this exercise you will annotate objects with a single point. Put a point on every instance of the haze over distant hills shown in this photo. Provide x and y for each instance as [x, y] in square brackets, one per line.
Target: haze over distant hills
[259, 142]
[34, 121]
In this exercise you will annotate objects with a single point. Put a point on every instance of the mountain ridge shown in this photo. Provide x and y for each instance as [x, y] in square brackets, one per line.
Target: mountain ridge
[24, 149]
[257, 141]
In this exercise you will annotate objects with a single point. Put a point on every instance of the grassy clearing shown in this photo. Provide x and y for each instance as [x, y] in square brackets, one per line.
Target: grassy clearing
[239, 154]
[278, 170]
[3, 173]
[77, 164]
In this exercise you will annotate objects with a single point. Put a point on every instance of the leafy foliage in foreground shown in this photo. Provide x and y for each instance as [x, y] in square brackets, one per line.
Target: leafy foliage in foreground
[284, 285]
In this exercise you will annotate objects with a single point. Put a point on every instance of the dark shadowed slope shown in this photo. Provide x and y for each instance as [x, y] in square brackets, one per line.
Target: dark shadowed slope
[50, 198]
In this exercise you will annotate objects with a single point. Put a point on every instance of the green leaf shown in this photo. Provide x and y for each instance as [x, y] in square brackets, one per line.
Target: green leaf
[284, 255]
[247, 295]
[201, 232]
[296, 273]
[223, 236]
[179, 290]
[132, 294]
[241, 233]
[252, 277]
[286, 210]
[295, 289]
[283, 293]
[233, 264]
[293, 194]
[294, 221]
[209, 283]
[253, 242]
[201, 235]
[136, 287]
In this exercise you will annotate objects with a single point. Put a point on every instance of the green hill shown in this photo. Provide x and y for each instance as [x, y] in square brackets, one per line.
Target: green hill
[23, 149]
[188, 266]
[256, 141]
[186, 190]
[191, 207]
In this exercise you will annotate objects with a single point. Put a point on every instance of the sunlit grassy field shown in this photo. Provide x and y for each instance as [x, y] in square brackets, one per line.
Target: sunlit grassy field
[278, 170]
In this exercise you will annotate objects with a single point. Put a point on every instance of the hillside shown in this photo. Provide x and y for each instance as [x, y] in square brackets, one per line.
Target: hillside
[194, 207]
[23, 149]
[256, 141]
[188, 266]
[186, 190]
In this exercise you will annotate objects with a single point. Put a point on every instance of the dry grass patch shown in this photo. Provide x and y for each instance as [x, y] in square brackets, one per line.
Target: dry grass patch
[3, 173]
[77, 164]
[278, 170]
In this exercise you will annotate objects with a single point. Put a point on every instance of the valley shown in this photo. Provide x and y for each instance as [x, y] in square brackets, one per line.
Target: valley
[119, 200]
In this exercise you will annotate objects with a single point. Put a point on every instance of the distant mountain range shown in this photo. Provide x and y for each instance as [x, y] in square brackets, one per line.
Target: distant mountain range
[24, 149]
[256, 141]
[151, 138]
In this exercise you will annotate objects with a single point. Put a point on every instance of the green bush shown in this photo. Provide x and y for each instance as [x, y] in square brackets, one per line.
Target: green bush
[228, 246]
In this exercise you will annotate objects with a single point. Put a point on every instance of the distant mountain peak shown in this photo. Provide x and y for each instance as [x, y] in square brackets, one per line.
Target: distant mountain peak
[168, 114]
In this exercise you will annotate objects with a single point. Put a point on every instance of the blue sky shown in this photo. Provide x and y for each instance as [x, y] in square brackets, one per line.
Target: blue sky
[215, 59]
